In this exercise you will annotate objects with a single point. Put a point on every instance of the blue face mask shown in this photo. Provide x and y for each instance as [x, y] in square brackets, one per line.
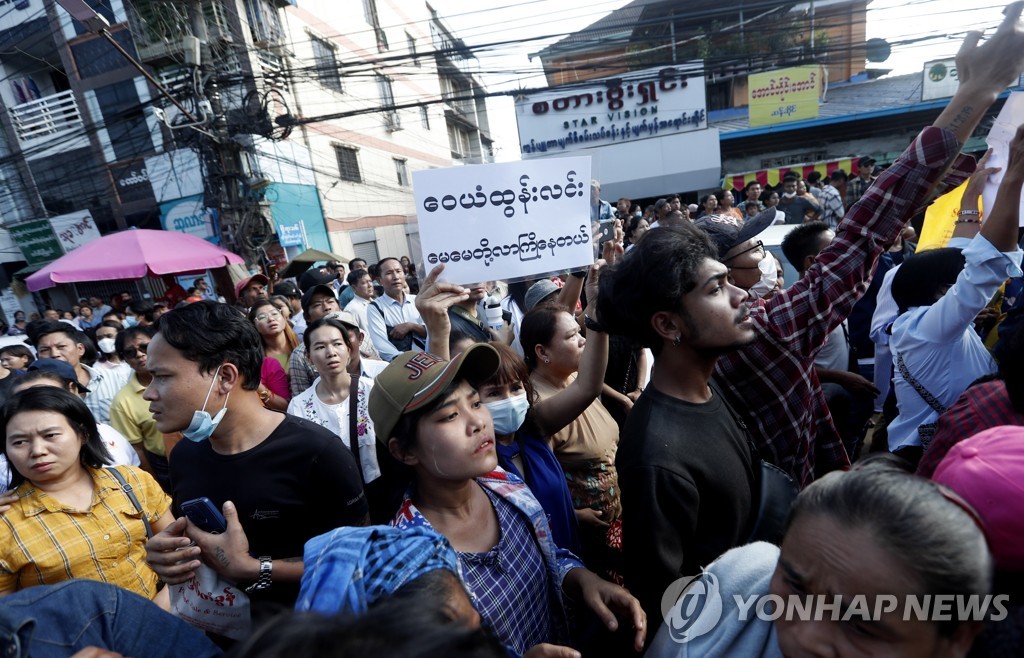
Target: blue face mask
[508, 414]
[202, 425]
[130, 321]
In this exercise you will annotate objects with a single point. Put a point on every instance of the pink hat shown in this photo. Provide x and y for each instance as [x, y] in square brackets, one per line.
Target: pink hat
[987, 470]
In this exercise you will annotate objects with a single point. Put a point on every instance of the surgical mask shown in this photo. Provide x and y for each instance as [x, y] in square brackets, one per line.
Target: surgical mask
[130, 321]
[106, 345]
[202, 425]
[788, 195]
[508, 414]
[769, 278]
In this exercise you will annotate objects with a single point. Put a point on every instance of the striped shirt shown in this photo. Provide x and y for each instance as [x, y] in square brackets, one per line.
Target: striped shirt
[104, 383]
[43, 541]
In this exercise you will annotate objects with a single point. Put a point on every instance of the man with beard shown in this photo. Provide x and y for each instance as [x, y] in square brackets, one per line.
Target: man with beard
[687, 496]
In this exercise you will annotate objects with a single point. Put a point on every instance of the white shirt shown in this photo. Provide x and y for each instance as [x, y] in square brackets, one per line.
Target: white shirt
[938, 343]
[357, 307]
[118, 446]
[335, 417]
[394, 313]
[104, 383]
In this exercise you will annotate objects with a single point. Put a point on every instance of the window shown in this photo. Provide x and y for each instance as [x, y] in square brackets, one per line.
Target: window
[402, 171]
[370, 11]
[264, 22]
[387, 101]
[348, 163]
[425, 116]
[412, 49]
[326, 64]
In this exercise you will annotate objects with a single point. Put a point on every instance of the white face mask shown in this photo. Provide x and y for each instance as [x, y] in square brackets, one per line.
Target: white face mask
[106, 345]
[788, 195]
[769, 278]
[508, 414]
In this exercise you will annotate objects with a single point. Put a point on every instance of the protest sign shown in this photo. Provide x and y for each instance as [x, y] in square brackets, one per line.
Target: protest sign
[940, 219]
[505, 221]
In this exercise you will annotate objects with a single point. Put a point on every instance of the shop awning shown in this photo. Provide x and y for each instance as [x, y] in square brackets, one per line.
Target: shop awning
[774, 176]
[31, 269]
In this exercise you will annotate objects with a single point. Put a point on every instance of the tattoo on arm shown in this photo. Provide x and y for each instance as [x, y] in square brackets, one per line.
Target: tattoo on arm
[292, 559]
[222, 557]
[961, 118]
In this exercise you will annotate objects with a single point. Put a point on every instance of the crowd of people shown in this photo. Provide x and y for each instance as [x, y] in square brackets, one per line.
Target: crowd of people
[361, 461]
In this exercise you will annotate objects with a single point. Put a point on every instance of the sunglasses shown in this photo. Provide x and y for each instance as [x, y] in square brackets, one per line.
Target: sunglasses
[131, 352]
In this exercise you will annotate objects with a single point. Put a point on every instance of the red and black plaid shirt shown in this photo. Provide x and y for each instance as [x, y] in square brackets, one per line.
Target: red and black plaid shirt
[772, 381]
[981, 407]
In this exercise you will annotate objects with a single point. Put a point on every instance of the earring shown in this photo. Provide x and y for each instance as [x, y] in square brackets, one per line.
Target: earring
[677, 340]
[547, 360]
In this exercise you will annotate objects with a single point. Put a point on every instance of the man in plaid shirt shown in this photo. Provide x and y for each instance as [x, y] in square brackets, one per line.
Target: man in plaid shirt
[771, 381]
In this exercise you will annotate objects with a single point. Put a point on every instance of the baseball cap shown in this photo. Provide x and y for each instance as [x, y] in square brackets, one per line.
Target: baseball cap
[415, 379]
[255, 278]
[866, 161]
[538, 292]
[321, 289]
[314, 277]
[727, 231]
[288, 289]
[62, 368]
[987, 471]
[345, 318]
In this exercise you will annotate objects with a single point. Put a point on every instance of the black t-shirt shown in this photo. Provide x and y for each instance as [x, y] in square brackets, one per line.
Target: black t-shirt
[686, 479]
[298, 483]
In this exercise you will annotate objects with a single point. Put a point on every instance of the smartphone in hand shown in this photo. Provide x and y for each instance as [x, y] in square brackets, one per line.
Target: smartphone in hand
[205, 515]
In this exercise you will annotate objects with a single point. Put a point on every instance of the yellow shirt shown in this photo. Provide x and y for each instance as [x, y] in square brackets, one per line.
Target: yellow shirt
[129, 414]
[43, 542]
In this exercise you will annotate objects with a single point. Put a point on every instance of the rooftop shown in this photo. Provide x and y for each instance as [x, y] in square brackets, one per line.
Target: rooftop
[841, 100]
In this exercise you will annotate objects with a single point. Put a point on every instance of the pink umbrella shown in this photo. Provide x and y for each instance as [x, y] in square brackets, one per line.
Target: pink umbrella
[132, 254]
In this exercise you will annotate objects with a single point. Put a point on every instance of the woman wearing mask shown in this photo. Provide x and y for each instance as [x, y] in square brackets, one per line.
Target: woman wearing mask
[440, 431]
[106, 339]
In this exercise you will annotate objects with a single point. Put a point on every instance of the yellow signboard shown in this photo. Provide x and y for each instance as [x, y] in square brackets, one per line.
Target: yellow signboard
[784, 95]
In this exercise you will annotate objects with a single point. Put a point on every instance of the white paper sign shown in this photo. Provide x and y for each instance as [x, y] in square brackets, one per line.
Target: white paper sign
[505, 221]
[74, 229]
[999, 138]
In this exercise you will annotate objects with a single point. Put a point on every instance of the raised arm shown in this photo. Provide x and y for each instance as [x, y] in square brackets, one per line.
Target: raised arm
[553, 413]
[1000, 227]
[968, 221]
[433, 302]
[988, 265]
[985, 71]
[805, 313]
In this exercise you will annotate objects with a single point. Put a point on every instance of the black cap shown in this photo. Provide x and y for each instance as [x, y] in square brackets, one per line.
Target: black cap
[288, 289]
[727, 232]
[307, 296]
[314, 277]
[866, 161]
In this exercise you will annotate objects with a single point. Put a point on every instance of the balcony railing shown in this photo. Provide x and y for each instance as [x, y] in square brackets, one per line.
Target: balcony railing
[46, 118]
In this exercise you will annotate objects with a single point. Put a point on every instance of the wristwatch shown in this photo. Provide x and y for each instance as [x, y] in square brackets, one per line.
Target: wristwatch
[593, 325]
[264, 581]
